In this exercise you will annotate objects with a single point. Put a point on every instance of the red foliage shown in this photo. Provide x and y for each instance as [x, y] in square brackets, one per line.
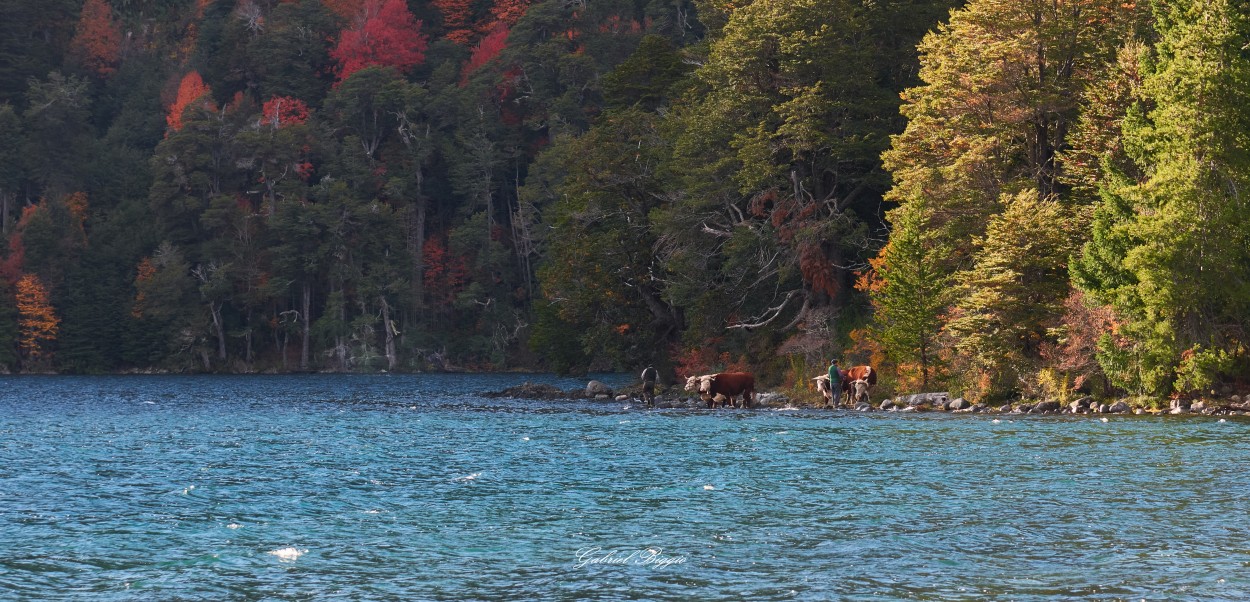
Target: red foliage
[385, 34]
[817, 269]
[190, 90]
[445, 274]
[97, 40]
[488, 48]
[283, 111]
[457, 19]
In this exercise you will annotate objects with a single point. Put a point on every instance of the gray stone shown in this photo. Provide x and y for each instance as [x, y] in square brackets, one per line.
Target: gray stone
[603, 396]
[1076, 407]
[1084, 401]
[863, 407]
[595, 388]
[922, 399]
[1179, 410]
[979, 408]
[1102, 408]
[887, 404]
[1119, 407]
[960, 404]
[1044, 407]
[622, 397]
[1198, 406]
[1005, 408]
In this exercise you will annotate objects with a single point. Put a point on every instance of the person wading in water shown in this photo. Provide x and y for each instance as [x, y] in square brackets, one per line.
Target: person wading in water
[648, 385]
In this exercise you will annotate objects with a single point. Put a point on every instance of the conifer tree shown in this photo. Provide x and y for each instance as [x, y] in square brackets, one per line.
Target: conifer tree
[1175, 256]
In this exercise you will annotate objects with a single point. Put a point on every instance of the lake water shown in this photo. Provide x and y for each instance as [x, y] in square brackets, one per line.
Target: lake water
[417, 488]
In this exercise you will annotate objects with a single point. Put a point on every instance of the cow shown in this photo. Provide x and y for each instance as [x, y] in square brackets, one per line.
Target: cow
[856, 382]
[730, 385]
[699, 384]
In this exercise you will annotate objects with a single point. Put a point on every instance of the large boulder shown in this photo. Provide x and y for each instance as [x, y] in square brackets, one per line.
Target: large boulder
[595, 388]
[922, 399]
[1045, 407]
[1119, 407]
[959, 404]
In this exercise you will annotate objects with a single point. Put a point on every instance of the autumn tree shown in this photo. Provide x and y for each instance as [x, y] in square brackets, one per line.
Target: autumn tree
[97, 42]
[1002, 83]
[38, 320]
[190, 89]
[1012, 298]
[384, 33]
[457, 19]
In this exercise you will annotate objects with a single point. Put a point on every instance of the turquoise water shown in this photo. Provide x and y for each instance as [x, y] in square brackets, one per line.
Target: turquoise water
[416, 488]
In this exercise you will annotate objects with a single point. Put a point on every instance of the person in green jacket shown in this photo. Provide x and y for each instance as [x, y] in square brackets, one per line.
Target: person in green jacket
[835, 383]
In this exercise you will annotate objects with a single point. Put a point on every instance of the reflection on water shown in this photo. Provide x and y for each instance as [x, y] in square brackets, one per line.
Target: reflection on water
[414, 487]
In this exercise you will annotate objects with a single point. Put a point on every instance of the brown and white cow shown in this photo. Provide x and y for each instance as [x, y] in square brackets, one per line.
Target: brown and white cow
[856, 382]
[729, 385]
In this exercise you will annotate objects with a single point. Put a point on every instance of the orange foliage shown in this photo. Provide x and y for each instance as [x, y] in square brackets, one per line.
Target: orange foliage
[37, 320]
[457, 19]
[147, 270]
[97, 39]
[190, 90]
[508, 12]
[705, 360]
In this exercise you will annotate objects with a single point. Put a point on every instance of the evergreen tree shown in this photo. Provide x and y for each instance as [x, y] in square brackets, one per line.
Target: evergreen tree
[1176, 266]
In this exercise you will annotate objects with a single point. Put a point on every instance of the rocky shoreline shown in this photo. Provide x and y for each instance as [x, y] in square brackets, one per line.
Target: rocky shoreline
[674, 397]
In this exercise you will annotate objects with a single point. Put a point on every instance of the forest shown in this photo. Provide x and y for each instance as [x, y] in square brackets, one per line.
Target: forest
[1002, 197]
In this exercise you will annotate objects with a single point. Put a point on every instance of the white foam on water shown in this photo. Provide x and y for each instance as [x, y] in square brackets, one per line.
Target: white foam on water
[188, 490]
[1105, 420]
[525, 438]
[290, 554]
[624, 422]
[709, 488]
[151, 403]
[467, 479]
[1221, 420]
[996, 421]
[373, 512]
[233, 526]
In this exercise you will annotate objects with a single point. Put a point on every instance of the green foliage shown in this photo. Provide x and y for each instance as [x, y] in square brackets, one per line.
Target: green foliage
[909, 292]
[1171, 251]
[1013, 294]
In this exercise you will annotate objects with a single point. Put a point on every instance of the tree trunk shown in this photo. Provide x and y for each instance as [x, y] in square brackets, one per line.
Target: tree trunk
[215, 310]
[390, 328]
[303, 353]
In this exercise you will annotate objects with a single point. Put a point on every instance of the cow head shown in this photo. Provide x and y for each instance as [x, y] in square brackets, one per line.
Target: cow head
[859, 391]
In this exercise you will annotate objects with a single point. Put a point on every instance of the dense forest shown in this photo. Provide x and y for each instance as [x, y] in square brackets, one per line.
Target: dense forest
[1003, 197]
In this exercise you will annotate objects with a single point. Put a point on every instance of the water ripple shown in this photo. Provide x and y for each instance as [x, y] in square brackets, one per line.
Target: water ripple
[414, 487]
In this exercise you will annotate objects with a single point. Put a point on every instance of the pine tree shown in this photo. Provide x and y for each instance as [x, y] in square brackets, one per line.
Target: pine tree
[1183, 285]
[909, 292]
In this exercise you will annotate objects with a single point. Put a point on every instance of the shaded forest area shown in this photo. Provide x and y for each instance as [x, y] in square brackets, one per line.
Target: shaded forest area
[1004, 197]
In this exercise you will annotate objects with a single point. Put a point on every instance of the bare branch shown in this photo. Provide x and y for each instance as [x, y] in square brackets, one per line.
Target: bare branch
[764, 319]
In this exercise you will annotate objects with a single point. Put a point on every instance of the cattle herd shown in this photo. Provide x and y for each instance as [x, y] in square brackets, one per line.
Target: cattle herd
[723, 388]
